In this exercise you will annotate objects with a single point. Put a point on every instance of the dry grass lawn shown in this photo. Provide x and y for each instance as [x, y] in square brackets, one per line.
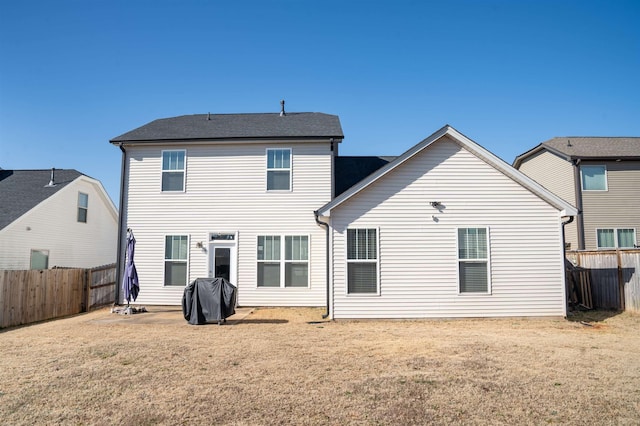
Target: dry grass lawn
[273, 366]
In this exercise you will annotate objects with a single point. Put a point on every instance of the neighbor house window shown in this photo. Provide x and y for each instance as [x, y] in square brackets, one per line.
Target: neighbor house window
[175, 259]
[278, 169]
[283, 265]
[173, 171]
[473, 260]
[83, 207]
[611, 238]
[39, 259]
[594, 178]
[362, 261]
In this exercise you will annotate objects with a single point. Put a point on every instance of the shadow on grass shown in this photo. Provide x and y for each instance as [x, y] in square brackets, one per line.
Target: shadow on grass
[595, 315]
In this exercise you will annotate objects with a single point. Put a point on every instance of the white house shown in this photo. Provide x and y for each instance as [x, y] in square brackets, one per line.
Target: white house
[55, 217]
[446, 229]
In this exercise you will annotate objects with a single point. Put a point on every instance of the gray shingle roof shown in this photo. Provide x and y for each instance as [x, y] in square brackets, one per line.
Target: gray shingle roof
[21, 190]
[595, 147]
[351, 170]
[237, 126]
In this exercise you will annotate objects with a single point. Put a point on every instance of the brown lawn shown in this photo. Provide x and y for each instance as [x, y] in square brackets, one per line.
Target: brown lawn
[273, 366]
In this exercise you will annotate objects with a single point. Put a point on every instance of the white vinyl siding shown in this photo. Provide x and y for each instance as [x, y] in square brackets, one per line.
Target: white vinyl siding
[175, 260]
[279, 169]
[594, 178]
[419, 269]
[173, 170]
[83, 207]
[611, 238]
[226, 192]
[53, 225]
[473, 260]
[362, 261]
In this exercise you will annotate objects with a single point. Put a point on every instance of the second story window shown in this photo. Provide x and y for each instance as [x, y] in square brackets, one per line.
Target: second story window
[594, 178]
[173, 171]
[279, 169]
[83, 207]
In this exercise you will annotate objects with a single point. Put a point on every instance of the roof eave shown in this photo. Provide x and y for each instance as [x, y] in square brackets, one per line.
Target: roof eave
[336, 138]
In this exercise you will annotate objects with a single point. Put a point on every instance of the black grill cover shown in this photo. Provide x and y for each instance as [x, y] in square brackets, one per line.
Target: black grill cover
[208, 299]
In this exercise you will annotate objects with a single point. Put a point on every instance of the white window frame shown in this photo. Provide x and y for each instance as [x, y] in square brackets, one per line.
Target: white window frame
[183, 170]
[283, 261]
[85, 208]
[616, 243]
[164, 255]
[606, 178]
[474, 260]
[279, 169]
[348, 261]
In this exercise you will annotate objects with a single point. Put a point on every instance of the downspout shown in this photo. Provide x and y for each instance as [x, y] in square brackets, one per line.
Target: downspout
[564, 268]
[119, 259]
[578, 191]
[326, 227]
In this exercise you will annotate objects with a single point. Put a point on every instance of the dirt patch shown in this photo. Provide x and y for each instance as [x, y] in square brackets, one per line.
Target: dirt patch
[288, 366]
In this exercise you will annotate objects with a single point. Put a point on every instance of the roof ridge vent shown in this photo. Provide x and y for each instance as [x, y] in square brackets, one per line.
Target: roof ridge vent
[52, 182]
[282, 113]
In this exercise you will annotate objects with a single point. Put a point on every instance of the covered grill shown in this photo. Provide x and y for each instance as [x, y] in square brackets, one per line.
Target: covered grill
[208, 299]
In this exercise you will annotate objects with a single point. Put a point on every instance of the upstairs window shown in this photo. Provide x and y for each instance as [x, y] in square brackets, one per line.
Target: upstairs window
[362, 261]
[83, 207]
[279, 169]
[473, 260]
[173, 171]
[594, 178]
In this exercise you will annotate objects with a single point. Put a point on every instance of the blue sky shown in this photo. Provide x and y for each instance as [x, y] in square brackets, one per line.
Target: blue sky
[507, 74]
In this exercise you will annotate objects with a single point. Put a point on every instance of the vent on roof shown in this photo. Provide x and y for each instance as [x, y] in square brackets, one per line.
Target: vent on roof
[569, 142]
[52, 180]
[208, 116]
[282, 113]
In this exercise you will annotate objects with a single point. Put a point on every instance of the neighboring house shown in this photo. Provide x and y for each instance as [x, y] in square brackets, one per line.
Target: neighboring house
[444, 230]
[55, 218]
[601, 177]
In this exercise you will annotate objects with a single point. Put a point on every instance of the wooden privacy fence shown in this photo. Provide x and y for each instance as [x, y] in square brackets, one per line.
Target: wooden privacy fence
[38, 295]
[613, 277]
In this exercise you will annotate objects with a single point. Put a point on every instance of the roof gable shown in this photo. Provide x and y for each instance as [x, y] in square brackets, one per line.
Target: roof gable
[236, 126]
[22, 190]
[469, 145]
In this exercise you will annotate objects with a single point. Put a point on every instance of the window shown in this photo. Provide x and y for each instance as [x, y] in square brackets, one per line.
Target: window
[594, 178]
[283, 266]
[362, 261]
[175, 259]
[83, 207]
[611, 238]
[279, 169]
[173, 171]
[39, 259]
[473, 257]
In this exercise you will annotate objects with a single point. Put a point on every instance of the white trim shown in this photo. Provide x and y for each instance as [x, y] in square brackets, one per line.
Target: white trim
[347, 261]
[289, 169]
[183, 170]
[477, 260]
[606, 178]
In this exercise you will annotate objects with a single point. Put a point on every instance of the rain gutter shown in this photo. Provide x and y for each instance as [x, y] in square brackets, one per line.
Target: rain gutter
[120, 226]
[578, 190]
[326, 227]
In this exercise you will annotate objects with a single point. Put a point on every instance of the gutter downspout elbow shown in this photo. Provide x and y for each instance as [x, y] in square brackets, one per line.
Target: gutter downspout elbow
[326, 227]
[119, 258]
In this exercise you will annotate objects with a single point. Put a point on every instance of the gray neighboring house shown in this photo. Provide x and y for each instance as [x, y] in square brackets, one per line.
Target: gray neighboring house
[601, 177]
[55, 218]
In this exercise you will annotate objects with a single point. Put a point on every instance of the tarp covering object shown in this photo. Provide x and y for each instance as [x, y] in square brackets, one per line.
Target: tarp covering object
[208, 299]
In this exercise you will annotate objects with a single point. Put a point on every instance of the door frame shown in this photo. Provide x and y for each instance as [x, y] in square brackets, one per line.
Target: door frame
[224, 240]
